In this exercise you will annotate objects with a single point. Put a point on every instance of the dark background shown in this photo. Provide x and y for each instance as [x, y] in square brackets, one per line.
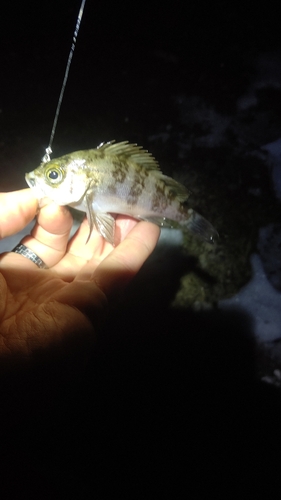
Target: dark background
[129, 62]
[170, 400]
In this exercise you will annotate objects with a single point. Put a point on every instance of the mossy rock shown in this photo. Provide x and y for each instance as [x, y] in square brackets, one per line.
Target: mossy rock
[237, 197]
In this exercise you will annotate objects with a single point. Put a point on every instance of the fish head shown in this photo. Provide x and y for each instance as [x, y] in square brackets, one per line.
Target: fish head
[62, 180]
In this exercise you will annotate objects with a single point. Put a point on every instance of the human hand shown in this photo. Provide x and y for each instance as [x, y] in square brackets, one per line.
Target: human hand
[60, 309]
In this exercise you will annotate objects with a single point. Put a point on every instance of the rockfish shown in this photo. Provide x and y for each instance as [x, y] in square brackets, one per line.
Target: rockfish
[117, 178]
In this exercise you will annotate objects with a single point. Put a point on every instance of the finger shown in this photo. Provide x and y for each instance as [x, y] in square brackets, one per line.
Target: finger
[123, 226]
[122, 264]
[97, 245]
[17, 209]
[79, 252]
[82, 247]
[95, 250]
[49, 237]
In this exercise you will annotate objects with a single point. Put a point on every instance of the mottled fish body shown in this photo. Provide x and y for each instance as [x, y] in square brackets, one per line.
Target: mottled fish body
[117, 178]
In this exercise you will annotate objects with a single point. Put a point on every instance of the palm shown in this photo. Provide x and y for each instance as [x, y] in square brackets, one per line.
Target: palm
[42, 310]
[47, 308]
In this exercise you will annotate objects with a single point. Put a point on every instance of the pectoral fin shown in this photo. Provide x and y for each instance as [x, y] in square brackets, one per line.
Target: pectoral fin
[90, 215]
[105, 225]
[103, 222]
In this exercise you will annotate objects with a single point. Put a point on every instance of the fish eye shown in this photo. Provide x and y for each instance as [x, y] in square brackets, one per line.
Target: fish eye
[54, 174]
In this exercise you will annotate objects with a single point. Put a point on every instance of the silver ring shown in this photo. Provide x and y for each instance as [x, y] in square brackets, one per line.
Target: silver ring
[29, 254]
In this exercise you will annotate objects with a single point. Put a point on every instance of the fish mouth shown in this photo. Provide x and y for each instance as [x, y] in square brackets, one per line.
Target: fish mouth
[30, 180]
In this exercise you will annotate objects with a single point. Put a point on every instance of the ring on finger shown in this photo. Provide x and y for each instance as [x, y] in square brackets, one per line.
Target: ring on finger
[29, 254]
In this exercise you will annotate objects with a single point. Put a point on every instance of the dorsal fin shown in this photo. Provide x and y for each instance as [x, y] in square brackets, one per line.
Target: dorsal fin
[131, 152]
[135, 153]
[180, 191]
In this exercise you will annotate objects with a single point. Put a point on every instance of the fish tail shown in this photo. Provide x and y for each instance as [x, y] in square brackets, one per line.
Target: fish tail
[193, 222]
[198, 225]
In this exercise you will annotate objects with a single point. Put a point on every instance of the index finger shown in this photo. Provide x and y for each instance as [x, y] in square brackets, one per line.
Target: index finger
[17, 209]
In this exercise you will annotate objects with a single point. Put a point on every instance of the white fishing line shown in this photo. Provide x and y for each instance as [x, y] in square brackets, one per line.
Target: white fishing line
[48, 150]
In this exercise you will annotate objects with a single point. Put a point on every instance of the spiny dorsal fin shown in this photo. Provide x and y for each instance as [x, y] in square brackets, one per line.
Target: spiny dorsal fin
[131, 152]
[135, 153]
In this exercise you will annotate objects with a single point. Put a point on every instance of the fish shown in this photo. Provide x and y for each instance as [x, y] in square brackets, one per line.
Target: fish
[118, 178]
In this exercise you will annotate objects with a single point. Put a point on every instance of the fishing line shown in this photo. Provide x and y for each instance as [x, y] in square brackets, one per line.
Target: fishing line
[48, 150]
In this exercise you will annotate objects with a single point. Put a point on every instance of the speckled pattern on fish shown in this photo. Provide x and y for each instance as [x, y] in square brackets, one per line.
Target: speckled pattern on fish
[118, 178]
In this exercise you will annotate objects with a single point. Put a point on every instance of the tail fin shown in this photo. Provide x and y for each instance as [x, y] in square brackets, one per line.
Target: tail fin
[200, 226]
[194, 223]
